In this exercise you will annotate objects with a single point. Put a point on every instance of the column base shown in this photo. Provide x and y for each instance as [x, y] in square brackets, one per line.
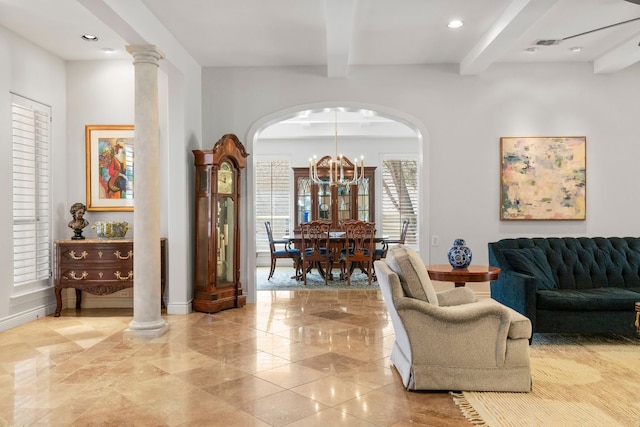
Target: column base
[147, 329]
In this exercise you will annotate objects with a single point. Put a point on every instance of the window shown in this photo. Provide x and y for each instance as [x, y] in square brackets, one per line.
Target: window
[400, 198]
[31, 211]
[273, 200]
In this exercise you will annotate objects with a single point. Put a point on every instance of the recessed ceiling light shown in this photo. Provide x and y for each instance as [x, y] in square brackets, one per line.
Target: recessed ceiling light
[456, 23]
[575, 49]
[107, 50]
[531, 49]
[90, 37]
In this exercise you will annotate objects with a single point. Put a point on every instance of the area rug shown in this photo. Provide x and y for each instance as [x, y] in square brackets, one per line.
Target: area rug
[283, 280]
[578, 380]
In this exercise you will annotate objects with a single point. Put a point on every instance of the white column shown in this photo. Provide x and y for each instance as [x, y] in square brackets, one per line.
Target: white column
[147, 320]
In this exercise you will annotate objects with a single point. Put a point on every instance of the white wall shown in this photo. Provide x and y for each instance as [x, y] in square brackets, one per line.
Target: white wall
[31, 72]
[462, 119]
[98, 93]
[300, 150]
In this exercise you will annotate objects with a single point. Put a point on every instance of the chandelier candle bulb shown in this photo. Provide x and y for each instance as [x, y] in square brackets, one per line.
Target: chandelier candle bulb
[336, 166]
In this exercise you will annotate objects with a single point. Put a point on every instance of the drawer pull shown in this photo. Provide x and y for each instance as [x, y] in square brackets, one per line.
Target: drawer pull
[119, 275]
[129, 255]
[72, 274]
[83, 255]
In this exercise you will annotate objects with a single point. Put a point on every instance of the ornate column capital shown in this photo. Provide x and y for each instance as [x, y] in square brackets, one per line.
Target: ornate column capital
[147, 53]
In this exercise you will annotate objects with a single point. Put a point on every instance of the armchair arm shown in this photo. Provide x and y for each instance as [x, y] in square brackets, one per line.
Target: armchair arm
[456, 296]
[472, 334]
[518, 291]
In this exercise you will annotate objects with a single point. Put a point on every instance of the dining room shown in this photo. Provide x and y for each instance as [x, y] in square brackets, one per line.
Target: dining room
[334, 164]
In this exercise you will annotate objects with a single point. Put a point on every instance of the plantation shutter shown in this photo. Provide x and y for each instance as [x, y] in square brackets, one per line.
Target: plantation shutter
[31, 209]
[400, 198]
[273, 200]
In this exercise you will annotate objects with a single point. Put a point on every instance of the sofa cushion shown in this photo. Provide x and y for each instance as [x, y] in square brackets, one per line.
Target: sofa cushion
[533, 262]
[600, 299]
[415, 281]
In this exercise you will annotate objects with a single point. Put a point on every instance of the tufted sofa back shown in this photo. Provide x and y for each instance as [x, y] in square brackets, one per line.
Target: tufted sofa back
[581, 262]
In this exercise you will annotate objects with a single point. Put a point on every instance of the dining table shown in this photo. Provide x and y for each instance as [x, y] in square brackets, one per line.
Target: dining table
[337, 241]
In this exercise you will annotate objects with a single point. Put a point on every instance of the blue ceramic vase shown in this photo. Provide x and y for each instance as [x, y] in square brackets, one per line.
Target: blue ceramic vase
[459, 254]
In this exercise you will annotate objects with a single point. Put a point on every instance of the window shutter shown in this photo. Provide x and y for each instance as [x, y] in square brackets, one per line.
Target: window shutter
[400, 198]
[273, 200]
[31, 210]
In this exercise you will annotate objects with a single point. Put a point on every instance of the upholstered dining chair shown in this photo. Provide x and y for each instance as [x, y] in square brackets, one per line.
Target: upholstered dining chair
[358, 249]
[286, 252]
[316, 250]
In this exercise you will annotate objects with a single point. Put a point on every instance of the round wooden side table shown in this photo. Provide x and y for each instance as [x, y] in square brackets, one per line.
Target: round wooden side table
[460, 276]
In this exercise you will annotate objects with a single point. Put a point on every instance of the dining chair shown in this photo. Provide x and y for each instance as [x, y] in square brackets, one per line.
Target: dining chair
[316, 248]
[359, 248]
[380, 253]
[286, 252]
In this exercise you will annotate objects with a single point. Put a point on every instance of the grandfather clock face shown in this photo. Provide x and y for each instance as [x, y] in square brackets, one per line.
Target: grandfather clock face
[225, 179]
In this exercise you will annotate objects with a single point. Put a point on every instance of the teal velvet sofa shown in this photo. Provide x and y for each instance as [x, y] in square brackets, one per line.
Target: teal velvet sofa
[570, 284]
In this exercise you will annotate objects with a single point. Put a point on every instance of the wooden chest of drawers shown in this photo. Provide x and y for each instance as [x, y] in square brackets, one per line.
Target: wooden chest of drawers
[97, 266]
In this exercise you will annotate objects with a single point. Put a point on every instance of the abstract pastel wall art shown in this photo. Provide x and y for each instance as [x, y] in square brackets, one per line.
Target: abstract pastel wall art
[543, 178]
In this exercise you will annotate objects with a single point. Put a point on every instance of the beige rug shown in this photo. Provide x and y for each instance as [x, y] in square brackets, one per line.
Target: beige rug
[578, 380]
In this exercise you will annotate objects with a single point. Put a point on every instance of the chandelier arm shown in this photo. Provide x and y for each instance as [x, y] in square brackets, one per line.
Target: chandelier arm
[336, 166]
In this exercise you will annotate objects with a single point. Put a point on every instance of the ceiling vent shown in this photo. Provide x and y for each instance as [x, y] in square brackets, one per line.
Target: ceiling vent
[547, 42]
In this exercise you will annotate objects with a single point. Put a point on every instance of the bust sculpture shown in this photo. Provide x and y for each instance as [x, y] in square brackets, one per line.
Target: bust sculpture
[79, 222]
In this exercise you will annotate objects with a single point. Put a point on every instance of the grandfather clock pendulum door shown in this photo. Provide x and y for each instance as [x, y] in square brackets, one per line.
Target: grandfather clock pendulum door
[217, 252]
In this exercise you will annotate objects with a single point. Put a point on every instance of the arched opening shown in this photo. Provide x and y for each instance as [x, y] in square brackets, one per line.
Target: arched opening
[389, 142]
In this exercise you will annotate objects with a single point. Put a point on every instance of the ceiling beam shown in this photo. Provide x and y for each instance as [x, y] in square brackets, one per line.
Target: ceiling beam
[137, 25]
[107, 15]
[625, 54]
[514, 22]
[339, 25]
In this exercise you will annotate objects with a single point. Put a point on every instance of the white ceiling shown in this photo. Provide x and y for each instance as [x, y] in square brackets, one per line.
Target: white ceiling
[337, 34]
[340, 33]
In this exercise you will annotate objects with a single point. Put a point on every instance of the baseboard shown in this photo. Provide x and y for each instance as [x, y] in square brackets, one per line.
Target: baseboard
[179, 308]
[26, 317]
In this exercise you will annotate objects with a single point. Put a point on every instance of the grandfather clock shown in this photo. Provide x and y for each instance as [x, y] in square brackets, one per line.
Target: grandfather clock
[217, 240]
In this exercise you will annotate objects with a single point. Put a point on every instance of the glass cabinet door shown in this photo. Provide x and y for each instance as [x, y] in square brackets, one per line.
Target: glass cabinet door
[344, 202]
[304, 200]
[324, 201]
[225, 240]
[363, 200]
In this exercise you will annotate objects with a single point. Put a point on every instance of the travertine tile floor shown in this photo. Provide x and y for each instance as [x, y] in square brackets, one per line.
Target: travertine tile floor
[299, 358]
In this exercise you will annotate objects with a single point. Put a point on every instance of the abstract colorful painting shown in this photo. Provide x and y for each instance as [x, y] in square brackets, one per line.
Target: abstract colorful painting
[109, 167]
[543, 178]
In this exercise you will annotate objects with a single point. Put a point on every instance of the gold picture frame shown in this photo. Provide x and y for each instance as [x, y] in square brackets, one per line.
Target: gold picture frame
[109, 165]
[543, 178]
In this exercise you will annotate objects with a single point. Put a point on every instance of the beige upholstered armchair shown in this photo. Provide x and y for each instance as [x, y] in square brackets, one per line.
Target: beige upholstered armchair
[448, 340]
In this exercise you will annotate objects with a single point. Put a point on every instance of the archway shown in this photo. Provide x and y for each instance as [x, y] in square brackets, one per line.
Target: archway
[297, 133]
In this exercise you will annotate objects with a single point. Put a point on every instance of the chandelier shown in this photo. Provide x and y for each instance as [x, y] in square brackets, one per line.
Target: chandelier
[337, 166]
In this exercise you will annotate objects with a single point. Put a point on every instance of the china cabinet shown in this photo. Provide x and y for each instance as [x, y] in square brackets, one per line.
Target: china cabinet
[333, 201]
[217, 227]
